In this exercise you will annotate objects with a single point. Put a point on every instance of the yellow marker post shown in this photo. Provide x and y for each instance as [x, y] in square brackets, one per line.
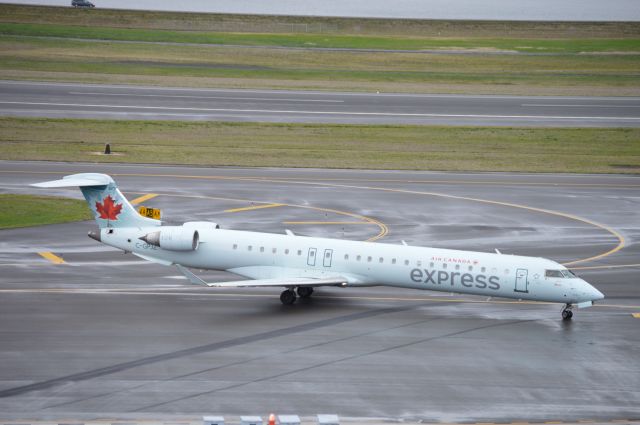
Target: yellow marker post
[51, 257]
[153, 213]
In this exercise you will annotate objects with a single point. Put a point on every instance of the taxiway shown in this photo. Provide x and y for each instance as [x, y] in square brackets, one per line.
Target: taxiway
[106, 332]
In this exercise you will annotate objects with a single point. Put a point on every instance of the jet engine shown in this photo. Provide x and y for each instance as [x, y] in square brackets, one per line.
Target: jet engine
[174, 238]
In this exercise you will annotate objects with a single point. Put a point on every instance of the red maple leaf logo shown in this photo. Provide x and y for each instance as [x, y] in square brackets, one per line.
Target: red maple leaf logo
[108, 209]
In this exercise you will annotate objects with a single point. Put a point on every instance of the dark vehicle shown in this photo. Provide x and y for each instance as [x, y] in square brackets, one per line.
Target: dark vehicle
[81, 3]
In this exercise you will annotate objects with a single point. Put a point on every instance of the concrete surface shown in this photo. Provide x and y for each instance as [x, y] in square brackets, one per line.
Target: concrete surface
[106, 335]
[74, 100]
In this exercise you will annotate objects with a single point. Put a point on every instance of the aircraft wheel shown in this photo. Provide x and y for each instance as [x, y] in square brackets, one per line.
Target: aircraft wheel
[305, 291]
[288, 297]
[567, 314]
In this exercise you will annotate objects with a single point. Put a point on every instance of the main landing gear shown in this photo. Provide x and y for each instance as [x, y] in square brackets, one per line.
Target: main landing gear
[288, 296]
[567, 314]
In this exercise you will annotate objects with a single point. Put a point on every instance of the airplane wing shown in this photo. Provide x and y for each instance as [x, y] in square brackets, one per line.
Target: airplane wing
[286, 281]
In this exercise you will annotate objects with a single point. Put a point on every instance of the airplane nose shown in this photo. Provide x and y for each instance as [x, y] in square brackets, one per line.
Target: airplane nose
[594, 294]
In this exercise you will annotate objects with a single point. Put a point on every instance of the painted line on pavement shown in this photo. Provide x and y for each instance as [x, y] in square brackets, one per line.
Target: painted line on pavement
[345, 113]
[253, 207]
[51, 257]
[143, 198]
[208, 97]
[326, 222]
[636, 315]
[241, 295]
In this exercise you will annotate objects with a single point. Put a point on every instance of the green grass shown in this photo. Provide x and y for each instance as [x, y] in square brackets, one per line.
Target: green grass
[585, 150]
[574, 45]
[407, 28]
[28, 210]
[378, 71]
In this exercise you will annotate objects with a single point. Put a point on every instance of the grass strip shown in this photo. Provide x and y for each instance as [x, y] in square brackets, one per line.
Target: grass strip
[29, 210]
[261, 67]
[568, 45]
[220, 22]
[577, 150]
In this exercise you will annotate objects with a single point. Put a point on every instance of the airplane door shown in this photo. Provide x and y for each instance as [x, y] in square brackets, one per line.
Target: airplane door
[521, 280]
[328, 253]
[311, 257]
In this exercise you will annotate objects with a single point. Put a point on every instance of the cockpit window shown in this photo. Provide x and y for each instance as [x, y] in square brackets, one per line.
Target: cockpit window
[553, 273]
[563, 274]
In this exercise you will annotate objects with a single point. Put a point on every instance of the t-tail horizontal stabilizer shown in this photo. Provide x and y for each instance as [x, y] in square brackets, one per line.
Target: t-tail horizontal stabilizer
[109, 206]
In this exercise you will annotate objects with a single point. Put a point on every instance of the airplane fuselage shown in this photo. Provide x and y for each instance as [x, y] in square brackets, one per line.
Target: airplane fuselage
[253, 254]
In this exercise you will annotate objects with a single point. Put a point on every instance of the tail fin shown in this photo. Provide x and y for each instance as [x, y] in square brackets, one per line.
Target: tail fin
[110, 208]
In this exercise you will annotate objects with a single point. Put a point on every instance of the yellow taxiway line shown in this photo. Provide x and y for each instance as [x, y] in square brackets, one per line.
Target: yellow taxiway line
[51, 257]
[327, 222]
[636, 315]
[143, 198]
[253, 207]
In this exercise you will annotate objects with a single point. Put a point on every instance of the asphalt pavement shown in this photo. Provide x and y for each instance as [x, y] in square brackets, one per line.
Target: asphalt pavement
[75, 100]
[107, 335]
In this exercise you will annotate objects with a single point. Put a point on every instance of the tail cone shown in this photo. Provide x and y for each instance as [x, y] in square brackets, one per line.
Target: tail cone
[94, 235]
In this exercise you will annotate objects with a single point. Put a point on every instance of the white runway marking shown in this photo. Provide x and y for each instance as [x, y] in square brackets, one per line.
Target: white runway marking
[384, 114]
[207, 97]
[578, 106]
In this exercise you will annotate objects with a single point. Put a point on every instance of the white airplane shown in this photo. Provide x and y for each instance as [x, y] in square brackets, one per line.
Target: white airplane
[300, 264]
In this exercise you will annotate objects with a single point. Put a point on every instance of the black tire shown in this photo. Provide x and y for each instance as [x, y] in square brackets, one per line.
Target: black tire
[305, 291]
[567, 314]
[288, 297]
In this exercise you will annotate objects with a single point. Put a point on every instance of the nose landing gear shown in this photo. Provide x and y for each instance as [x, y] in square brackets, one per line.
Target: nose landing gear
[567, 314]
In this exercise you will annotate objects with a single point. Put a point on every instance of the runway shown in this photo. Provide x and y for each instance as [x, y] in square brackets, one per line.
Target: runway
[72, 100]
[106, 335]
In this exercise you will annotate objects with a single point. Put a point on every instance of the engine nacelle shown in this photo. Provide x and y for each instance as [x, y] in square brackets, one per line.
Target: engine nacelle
[202, 225]
[174, 238]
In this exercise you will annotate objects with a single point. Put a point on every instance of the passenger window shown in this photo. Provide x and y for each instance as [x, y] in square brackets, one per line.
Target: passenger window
[444, 265]
[470, 268]
[327, 254]
[312, 253]
[299, 252]
[369, 259]
[286, 252]
[419, 263]
[358, 258]
[274, 250]
[249, 248]
[506, 271]
[393, 261]
[261, 249]
[235, 246]
[431, 265]
[484, 269]
[406, 262]
[457, 266]
[381, 260]
[346, 256]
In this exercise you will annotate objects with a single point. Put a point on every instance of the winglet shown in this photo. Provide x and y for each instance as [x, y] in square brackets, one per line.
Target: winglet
[289, 232]
[498, 251]
[192, 277]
